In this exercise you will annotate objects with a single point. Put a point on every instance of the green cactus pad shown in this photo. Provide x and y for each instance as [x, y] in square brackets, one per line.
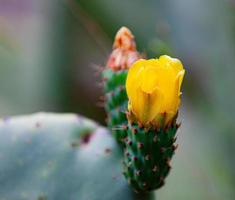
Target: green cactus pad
[115, 101]
[59, 157]
[147, 156]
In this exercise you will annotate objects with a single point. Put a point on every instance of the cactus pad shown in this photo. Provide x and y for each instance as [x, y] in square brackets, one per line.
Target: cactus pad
[147, 156]
[59, 156]
[115, 101]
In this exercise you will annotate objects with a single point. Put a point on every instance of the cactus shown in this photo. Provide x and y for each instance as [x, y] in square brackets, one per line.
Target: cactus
[146, 128]
[114, 77]
[116, 102]
[147, 156]
[59, 156]
[153, 88]
[53, 156]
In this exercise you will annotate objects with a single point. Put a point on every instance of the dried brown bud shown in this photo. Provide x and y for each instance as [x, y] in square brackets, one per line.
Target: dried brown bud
[124, 52]
[124, 39]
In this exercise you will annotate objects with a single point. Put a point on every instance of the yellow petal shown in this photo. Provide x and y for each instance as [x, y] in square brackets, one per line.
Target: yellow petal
[179, 80]
[149, 79]
[176, 97]
[146, 105]
[166, 86]
[174, 63]
[132, 82]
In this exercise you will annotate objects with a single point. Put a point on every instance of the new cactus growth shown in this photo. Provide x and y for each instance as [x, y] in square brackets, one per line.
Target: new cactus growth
[153, 87]
[124, 54]
[147, 156]
[148, 129]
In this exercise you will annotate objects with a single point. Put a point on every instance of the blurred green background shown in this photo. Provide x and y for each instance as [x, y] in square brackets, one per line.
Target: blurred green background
[48, 50]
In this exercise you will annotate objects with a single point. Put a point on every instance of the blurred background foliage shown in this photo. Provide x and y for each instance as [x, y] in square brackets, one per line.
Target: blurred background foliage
[49, 51]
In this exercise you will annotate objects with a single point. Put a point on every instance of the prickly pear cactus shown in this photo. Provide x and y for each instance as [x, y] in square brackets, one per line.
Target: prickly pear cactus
[59, 156]
[114, 79]
[146, 128]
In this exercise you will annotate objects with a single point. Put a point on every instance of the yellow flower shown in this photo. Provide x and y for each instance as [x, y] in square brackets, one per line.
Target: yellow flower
[153, 88]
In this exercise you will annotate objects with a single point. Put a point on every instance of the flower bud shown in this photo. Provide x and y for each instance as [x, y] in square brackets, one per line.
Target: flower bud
[153, 88]
[124, 52]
